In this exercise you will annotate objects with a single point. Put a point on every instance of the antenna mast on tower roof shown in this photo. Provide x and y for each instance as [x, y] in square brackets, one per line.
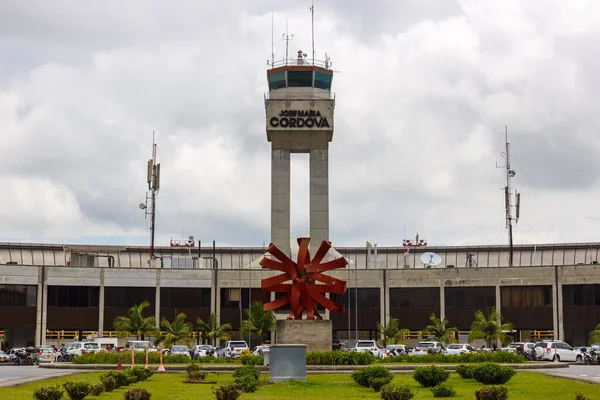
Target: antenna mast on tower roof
[312, 11]
[287, 39]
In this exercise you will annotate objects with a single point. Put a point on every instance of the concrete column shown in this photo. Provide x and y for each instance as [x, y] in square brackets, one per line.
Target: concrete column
[327, 313]
[38, 309]
[442, 300]
[499, 309]
[280, 199]
[101, 305]
[157, 306]
[557, 307]
[384, 298]
[319, 198]
[44, 308]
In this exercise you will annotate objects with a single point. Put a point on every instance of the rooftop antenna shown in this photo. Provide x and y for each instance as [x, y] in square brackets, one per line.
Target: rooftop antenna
[272, 42]
[287, 39]
[312, 11]
[153, 179]
[508, 194]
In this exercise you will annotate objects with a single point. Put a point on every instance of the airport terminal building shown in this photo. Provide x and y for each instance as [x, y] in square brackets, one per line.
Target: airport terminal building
[552, 290]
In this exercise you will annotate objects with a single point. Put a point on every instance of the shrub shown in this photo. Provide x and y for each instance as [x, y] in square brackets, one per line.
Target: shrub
[97, 390]
[443, 391]
[364, 376]
[393, 392]
[77, 390]
[430, 376]
[228, 392]
[192, 368]
[580, 396]
[465, 371]
[137, 394]
[378, 383]
[48, 393]
[108, 382]
[492, 374]
[246, 370]
[196, 376]
[131, 376]
[492, 393]
[252, 360]
[246, 352]
[497, 356]
[140, 373]
[339, 358]
[247, 383]
[121, 379]
[105, 357]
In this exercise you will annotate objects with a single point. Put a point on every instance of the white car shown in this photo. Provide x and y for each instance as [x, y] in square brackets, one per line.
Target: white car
[232, 349]
[424, 348]
[177, 349]
[260, 350]
[80, 348]
[514, 346]
[370, 346]
[549, 349]
[140, 345]
[459, 348]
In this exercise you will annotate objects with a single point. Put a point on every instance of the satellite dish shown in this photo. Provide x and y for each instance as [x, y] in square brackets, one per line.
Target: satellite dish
[431, 259]
[142, 206]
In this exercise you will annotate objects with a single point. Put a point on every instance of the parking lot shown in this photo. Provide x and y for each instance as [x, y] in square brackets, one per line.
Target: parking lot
[12, 375]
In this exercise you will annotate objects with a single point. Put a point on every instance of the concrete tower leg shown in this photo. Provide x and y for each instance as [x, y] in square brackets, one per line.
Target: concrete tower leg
[319, 198]
[280, 199]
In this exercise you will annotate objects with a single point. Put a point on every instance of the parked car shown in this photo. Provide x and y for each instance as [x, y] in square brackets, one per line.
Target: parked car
[397, 349]
[201, 350]
[514, 346]
[260, 350]
[370, 346]
[3, 357]
[459, 348]
[140, 345]
[232, 349]
[424, 348]
[79, 348]
[549, 349]
[42, 354]
[179, 349]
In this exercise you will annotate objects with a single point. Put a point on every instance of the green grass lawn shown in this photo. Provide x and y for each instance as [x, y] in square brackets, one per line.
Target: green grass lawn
[524, 385]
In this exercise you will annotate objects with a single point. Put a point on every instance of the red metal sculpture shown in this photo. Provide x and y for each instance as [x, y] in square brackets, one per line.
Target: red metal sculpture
[303, 293]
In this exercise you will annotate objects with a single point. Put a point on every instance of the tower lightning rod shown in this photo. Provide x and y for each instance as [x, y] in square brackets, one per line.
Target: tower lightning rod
[287, 39]
[272, 42]
[312, 12]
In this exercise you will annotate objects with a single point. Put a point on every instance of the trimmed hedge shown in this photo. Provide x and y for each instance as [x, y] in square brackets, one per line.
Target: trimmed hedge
[339, 358]
[252, 360]
[105, 357]
[492, 374]
[430, 376]
[504, 357]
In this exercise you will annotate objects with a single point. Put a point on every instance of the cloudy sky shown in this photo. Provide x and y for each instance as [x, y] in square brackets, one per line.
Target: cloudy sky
[423, 89]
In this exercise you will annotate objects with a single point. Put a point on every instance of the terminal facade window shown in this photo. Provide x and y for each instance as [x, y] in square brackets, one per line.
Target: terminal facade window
[184, 297]
[415, 297]
[581, 295]
[526, 296]
[127, 297]
[479, 297]
[230, 298]
[18, 295]
[73, 296]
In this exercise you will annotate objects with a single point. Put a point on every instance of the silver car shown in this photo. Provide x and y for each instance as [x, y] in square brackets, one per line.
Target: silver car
[179, 349]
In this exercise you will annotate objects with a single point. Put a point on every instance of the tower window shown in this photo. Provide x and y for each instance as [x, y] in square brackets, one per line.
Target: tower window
[322, 81]
[300, 78]
[277, 80]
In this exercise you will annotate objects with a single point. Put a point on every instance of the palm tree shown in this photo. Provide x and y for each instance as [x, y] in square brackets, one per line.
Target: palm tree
[259, 320]
[595, 335]
[210, 329]
[391, 332]
[490, 328]
[134, 323]
[175, 332]
[439, 329]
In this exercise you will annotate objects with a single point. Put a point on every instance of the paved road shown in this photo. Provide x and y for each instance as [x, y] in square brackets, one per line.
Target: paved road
[588, 373]
[11, 375]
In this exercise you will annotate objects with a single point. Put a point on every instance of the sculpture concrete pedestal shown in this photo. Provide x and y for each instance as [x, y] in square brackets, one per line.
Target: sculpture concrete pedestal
[315, 334]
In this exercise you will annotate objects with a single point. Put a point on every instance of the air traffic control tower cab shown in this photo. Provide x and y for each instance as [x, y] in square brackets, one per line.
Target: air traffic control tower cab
[299, 119]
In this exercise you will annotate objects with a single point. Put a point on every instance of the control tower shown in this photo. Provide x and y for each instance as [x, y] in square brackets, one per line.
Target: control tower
[299, 108]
